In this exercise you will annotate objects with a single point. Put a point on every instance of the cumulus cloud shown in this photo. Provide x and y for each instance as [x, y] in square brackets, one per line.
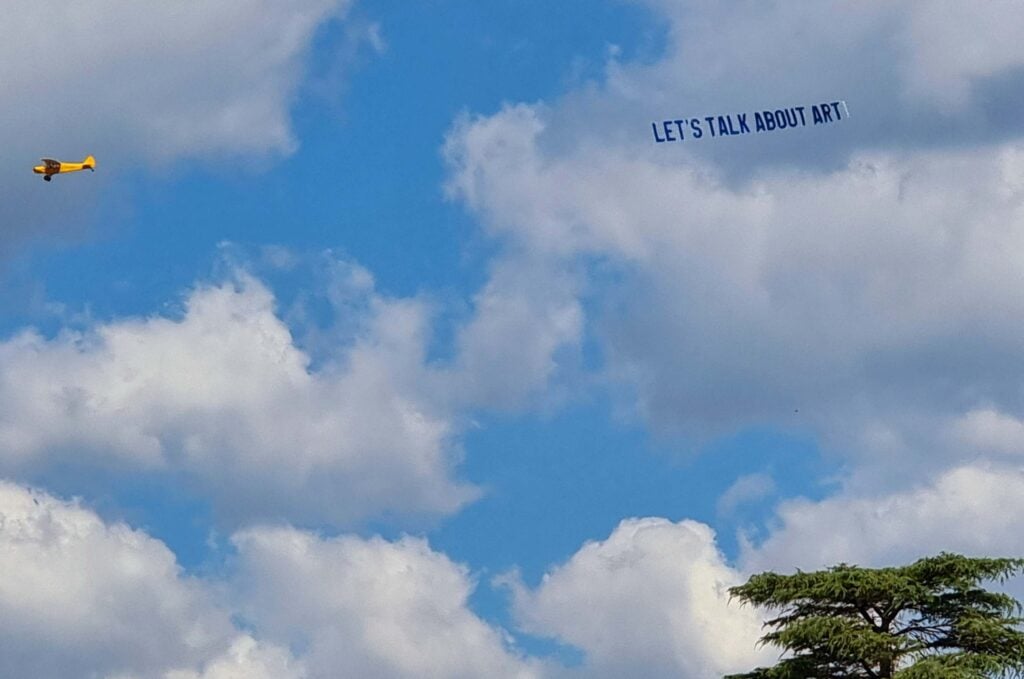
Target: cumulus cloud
[163, 81]
[224, 398]
[82, 598]
[972, 509]
[867, 291]
[745, 489]
[321, 407]
[652, 600]
[867, 282]
[863, 274]
[140, 84]
[247, 659]
[524, 333]
[916, 74]
[85, 597]
[866, 274]
[369, 607]
[990, 431]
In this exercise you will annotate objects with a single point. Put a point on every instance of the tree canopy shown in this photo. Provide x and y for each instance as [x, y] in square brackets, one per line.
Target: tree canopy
[928, 620]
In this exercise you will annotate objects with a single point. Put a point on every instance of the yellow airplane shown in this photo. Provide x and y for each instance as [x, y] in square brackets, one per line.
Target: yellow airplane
[51, 167]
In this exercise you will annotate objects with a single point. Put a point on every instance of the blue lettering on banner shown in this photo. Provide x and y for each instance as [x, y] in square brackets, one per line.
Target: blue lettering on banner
[711, 124]
[723, 129]
[667, 130]
[737, 124]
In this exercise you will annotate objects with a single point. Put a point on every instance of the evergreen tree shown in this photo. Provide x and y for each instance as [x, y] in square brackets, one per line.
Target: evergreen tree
[928, 620]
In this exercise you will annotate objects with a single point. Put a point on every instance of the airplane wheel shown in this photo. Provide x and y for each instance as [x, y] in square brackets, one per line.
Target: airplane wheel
[47, 178]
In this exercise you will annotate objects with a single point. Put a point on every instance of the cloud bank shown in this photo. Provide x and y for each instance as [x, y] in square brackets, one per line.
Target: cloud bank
[223, 399]
[865, 275]
[865, 282]
[84, 598]
[140, 85]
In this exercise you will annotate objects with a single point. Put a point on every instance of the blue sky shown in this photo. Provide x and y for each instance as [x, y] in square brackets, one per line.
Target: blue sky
[376, 133]
[379, 200]
[375, 308]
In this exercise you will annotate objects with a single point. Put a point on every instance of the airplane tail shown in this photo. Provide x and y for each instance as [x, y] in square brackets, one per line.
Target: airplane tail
[89, 162]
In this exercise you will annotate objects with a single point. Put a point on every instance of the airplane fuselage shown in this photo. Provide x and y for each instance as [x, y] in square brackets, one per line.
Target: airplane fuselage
[52, 167]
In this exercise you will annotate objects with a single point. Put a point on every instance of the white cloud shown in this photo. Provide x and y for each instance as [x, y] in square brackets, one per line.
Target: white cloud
[860, 294]
[862, 275]
[652, 600]
[138, 84]
[955, 47]
[745, 489]
[990, 431]
[524, 333]
[872, 287]
[163, 81]
[972, 509]
[915, 73]
[82, 598]
[224, 398]
[369, 607]
[248, 659]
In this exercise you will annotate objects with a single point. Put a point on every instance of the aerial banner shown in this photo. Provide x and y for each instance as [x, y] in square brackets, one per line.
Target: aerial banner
[757, 122]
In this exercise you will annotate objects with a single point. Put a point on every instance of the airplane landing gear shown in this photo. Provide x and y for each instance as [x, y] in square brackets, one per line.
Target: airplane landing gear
[47, 177]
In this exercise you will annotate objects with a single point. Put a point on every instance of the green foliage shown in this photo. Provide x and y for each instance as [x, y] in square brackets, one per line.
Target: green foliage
[928, 620]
